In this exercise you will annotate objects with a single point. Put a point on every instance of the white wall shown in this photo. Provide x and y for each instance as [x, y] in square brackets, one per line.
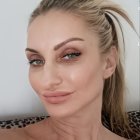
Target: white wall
[17, 99]
[132, 64]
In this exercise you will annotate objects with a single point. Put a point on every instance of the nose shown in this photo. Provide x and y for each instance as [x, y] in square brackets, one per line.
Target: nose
[51, 78]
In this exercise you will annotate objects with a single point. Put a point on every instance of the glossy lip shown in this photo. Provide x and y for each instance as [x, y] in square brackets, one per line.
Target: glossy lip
[56, 94]
[56, 97]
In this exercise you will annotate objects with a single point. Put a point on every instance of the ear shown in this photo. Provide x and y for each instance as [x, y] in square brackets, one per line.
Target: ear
[110, 62]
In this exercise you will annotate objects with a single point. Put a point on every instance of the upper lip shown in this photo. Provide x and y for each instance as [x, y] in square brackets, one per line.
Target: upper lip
[56, 94]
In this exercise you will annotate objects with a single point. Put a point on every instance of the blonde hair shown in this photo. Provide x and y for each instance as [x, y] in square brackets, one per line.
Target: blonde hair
[100, 16]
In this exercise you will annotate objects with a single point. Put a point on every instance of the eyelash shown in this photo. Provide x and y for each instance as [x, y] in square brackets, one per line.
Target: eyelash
[31, 62]
[72, 57]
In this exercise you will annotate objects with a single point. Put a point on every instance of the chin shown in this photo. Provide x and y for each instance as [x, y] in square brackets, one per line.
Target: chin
[60, 111]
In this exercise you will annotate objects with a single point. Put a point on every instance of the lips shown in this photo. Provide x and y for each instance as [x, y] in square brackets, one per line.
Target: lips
[57, 97]
[56, 94]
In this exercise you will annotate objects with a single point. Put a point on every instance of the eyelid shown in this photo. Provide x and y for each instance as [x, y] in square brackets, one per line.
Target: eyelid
[34, 63]
[71, 46]
[69, 50]
[69, 57]
[33, 56]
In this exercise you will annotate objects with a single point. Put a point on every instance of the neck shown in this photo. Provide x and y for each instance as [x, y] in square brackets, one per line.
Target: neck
[80, 126]
[76, 131]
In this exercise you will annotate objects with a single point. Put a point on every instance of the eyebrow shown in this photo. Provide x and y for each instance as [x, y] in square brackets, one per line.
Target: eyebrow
[67, 41]
[58, 46]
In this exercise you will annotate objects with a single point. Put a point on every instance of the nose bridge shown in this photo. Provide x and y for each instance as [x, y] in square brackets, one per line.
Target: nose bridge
[51, 77]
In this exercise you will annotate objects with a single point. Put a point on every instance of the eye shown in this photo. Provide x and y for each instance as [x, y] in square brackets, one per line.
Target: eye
[71, 56]
[36, 62]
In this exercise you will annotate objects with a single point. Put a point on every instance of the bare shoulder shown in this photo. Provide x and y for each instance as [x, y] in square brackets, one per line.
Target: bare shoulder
[26, 133]
[12, 134]
[112, 136]
[117, 137]
[39, 131]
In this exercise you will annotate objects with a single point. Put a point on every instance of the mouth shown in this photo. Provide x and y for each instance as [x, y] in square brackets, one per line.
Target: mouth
[57, 97]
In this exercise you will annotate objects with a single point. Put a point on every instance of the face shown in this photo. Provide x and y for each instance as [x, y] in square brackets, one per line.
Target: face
[66, 67]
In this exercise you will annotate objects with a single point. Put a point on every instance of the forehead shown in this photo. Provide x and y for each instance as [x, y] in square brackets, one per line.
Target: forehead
[56, 26]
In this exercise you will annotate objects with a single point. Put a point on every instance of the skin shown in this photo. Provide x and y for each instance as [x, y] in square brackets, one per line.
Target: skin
[83, 75]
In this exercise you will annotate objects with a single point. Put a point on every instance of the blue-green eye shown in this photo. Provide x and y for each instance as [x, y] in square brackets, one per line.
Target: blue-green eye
[73, 55]
[36, 62]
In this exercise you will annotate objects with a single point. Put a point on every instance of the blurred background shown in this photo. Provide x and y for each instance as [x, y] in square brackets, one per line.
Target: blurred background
[17, 98]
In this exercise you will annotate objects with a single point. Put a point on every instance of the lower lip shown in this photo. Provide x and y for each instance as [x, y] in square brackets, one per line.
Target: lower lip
[57, 99]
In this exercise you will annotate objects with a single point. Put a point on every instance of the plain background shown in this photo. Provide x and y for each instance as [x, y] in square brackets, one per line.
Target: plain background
[17, 99]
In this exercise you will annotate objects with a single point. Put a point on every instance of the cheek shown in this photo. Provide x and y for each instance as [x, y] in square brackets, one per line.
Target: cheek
[34, 80]
[86, 78]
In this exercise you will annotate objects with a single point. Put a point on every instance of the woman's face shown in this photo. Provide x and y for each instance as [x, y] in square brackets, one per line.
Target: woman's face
[66, 68]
